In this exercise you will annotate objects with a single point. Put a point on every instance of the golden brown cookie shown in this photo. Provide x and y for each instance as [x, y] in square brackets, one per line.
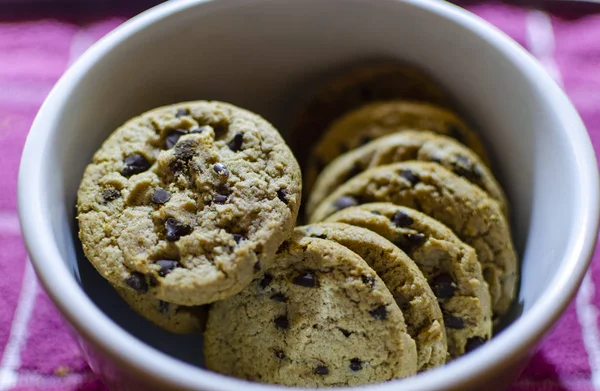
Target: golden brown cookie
[428, 187]
[174, 318]
[185, 203]
[450, 266]
[403, 146]
[404, 280]
[320, 317]
[382, 118]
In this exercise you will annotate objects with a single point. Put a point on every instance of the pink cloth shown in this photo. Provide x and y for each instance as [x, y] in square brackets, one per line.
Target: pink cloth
[38, 353]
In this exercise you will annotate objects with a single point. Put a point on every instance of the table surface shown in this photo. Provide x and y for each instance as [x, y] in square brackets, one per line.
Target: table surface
[37, 44]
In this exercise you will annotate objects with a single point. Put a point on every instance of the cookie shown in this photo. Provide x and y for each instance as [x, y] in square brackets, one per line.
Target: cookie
[450, 266]
[405, 281]
[402, 146]
[185, 203]
[382, 118]
[320, 317]
[366, 83]
[174, 318]
[467, 210]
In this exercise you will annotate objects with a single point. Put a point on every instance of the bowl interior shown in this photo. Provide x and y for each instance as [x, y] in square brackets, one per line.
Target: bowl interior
[264, 55]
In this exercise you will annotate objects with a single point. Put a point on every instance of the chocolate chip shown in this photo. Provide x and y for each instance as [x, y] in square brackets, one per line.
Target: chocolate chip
[355, 364]
[322, 370]
[137, 281]
[368, 280]
[401, 219]
[110, 194]
[345, 332]
[345, 202]
[176, 166]
[152, 280]
[185, 150]
[306, 280]
[463, 160]
[163, 307]
[454, 322]
[379, 313]
[376, 213]
[257, 266]
[220, 198]
[279, 297]
[280, 354]
[173, 136]
[221, 169]
[465, 168]
[238, 238]
[282, 195]
[236, 142]
[134, 164]
[282, 322]
[266, 281]
[181, 113]
[473, 343]
[166, 266]
[176, 229]
[198, 130]
[409, 176]
[443, 286]
[160, 196]
[410, 242]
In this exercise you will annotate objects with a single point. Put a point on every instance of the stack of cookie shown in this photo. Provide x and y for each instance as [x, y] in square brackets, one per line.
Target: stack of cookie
[189, 212]
[407, 223]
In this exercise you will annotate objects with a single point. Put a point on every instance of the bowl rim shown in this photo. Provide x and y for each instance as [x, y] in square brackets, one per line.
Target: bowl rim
[157, 367]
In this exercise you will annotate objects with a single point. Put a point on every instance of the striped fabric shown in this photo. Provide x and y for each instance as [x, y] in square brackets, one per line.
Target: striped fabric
[36, 351]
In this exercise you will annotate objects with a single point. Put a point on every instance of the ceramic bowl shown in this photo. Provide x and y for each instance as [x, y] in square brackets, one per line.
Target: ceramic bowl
[263, 55]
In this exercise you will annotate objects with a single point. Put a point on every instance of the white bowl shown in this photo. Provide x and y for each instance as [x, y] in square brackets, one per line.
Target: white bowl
[262, 55]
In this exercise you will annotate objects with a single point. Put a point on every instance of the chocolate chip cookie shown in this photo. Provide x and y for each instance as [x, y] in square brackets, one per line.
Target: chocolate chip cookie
[382, 118]
[319, 317]
[366, 83]
[185, 203]
[174, 318]
[404, 280]
[402, 146]
[428, 187]
[450, 266]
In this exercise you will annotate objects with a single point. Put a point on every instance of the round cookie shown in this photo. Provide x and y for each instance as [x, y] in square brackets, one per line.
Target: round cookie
[174, 318]
[382, 118]
[405, 281]
[450, 266]
[362, 84]
[186, 202]
[428, 187]
[320, 317]
[402, 146]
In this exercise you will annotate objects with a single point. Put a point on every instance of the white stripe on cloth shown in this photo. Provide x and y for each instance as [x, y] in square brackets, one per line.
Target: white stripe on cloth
[540, 39]
[9, 224]
[11, 359]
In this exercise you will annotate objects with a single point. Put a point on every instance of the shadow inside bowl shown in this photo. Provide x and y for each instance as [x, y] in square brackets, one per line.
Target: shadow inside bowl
[187, 348]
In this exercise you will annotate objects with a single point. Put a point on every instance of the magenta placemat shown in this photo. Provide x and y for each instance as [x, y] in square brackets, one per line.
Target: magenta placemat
[38, 354]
